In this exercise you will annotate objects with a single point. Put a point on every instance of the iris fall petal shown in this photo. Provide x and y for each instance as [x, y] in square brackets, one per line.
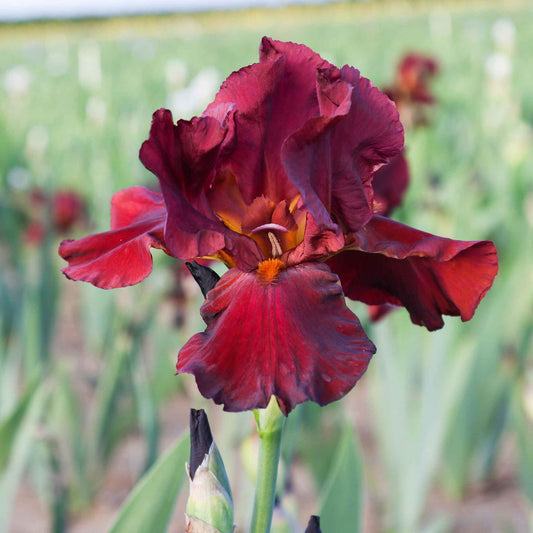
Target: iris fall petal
[119, 257]
[430, 276]
[293, 338]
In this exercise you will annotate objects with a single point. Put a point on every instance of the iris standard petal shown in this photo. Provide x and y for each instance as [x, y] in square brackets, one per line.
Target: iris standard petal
[273, 98]
[430, 276]
[333, 158]
[292, 337]
[183, 156]
[119, 257]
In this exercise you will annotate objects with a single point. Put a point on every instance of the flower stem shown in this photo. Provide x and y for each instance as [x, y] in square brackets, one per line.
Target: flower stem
[270, 423]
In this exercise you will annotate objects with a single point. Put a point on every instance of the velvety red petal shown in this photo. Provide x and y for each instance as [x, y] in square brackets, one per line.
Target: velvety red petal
[333, 158]
[119, 257]
[390, 184]
[430, 276]
[183, 156]
[293, 338]
[365, 140]
[273, 99]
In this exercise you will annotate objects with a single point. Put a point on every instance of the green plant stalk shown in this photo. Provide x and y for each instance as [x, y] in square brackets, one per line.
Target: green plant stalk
[270, 423]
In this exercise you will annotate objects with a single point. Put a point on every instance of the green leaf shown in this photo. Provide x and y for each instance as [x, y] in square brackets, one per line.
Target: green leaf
[10, 426]
[108, 392]
[150, 504]
[319, 452]
[342, 493]
[23, 441]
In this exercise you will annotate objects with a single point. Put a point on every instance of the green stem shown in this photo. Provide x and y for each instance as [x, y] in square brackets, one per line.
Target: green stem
[270, 423]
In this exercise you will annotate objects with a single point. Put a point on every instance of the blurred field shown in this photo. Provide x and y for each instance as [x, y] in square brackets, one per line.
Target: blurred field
[88, 400]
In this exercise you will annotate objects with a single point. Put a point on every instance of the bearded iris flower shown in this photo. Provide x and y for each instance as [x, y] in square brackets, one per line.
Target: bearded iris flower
[411, 90]
[275, 181]
[60, 211]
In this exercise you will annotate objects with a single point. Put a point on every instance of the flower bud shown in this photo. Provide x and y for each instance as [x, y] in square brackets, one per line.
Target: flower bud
[313, 526]
[204, 276]
[210, 505]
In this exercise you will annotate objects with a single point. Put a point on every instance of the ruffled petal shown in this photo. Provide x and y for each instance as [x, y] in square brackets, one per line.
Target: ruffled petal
[273, 99]
[430, 276]
[183, 156]
[293, 338]
[316, 244]
[332, 158]
[119, 257]
[390, 184]
[365, 140]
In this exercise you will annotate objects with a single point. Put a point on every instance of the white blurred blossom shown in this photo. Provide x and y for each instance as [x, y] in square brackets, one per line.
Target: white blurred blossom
[144, 48]
[503, 34]
[96, 110]
[499, 66]
[17, 80]
[89, 65]
[36, 141]
[197, 95]
[176, 74]
[440, 25]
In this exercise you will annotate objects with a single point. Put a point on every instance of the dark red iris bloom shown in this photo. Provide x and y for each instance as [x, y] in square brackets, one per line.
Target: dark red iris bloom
[275, 180]
[412, 79]
[60, 210]
[411, 90]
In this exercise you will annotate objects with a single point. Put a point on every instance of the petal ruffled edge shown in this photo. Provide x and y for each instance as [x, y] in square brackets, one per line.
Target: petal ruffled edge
[333, 158]
[120, 257]
[293, 338]
[430, 276]
[273, 98]
[184, 157]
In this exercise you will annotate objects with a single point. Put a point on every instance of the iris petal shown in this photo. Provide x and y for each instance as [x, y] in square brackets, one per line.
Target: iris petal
[183, 156]
[274, 98]
[119, 257]
[293, 338]
[430, 276]
[333, 158]
[390, 183]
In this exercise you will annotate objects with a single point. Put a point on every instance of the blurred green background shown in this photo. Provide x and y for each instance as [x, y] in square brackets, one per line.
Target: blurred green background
[438, 436]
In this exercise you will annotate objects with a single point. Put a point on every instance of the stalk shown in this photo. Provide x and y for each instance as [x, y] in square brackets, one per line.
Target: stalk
[270, 423]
